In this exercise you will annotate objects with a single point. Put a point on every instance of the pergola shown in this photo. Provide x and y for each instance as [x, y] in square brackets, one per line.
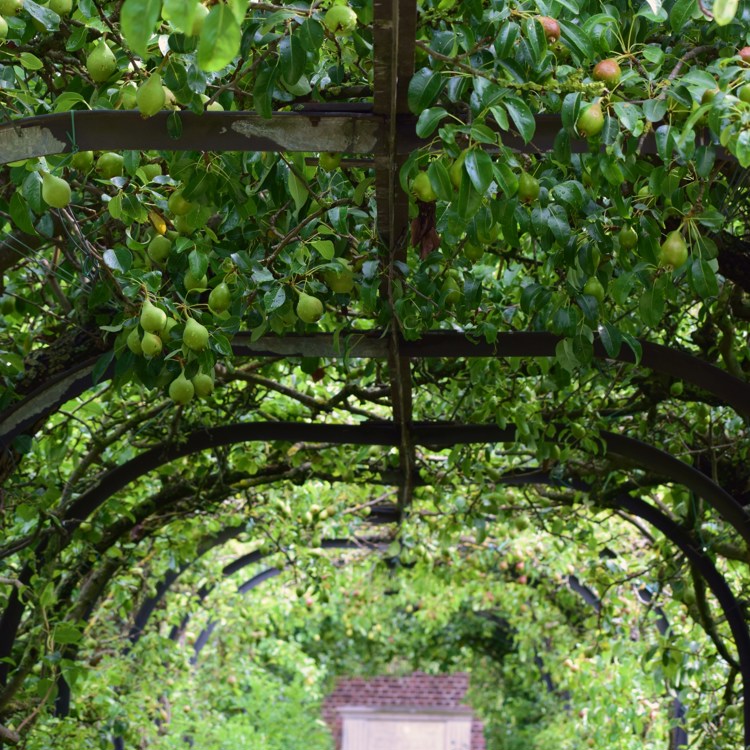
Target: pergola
[381, 135]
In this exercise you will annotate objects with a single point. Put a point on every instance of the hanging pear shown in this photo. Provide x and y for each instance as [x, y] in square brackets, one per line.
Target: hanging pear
[150, 96]
[195, 335]
[55, 191]
[152, 318]
[101, 63]
[181, 389]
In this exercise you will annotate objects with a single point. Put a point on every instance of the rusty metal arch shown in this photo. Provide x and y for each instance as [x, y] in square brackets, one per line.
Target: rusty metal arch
[662, 359]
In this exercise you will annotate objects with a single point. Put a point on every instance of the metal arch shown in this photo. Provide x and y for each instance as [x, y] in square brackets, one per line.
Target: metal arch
[682, 366]
[430, 434]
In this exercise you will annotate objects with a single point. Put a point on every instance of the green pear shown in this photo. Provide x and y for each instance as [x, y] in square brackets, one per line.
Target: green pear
[203, 384]
[153, 319]
[150, 96]
[220, 298]
[340, 20]
[309, 308]
[181, 390]
[195, 335]
[110, 165]
[151, 344]
[3, 28]
[83, 161]
[134, 342]
[10, 7]
[340, 280]
[101, 63]
[55, 191]
[61, 7]
[158, 249]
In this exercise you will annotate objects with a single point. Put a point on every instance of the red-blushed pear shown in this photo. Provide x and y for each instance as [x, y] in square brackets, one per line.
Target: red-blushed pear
[608, 71]
[551, 28]
[591, 121]
[744, 54]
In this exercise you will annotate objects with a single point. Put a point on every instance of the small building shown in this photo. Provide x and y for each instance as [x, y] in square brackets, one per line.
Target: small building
[414, 712]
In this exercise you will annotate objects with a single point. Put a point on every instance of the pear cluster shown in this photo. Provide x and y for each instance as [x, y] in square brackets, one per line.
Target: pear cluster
[152, 331]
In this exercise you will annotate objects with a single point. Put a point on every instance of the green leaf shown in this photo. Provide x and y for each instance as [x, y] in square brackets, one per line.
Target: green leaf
[424, 87]
[571, 108]
[220, 39]
[610, 338]
[522, 117]
[429, 119]
[263, 92]
[292, 59]
[138, 19]
[297, 190]
[311, 35]
[651, 306]
[680, 14]
[565, 355]
[536, 40]
[501, 118]
[506, 39]
[67, 100]
[724, 11]
[21, 214]
[577, 41]
[65, 633]
[45, 16]
[181, 14]
[325, 248]
[634, 345]
[655, 109]
[628, 114]
[703, 279]
[198, 262]
[30, 62]
[440, 180]
[101, 366]
[469, 200]
[478, 165]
